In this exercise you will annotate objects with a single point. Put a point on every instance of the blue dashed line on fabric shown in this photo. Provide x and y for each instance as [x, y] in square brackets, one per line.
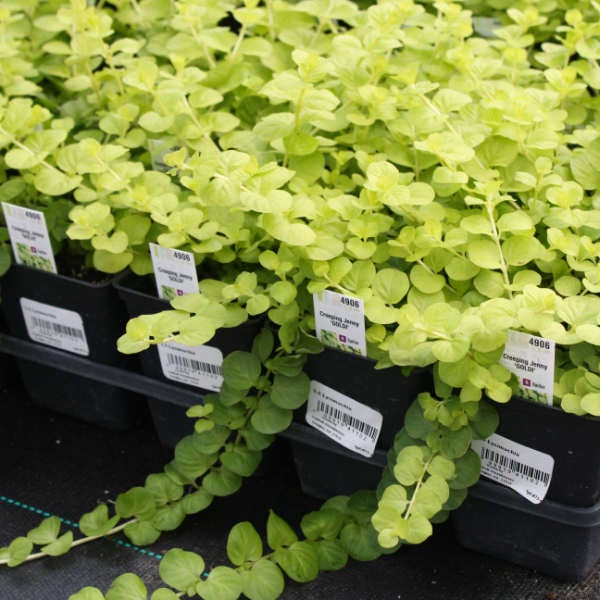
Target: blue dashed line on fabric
[43, 513]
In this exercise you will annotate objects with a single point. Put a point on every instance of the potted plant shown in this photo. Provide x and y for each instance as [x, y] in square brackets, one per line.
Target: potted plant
[75, 309]
[446, 184]
[498, 215]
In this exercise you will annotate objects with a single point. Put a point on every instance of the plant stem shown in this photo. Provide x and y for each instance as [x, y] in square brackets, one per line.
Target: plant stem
[271, 17]
[78, 542]
[496, 236]
[22, 146]
[417, 487]
[238, 42]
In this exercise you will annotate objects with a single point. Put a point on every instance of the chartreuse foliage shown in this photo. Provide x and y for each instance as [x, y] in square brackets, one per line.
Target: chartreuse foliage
[447, 179]
[431, 466]
[449, 183]
[388, 152]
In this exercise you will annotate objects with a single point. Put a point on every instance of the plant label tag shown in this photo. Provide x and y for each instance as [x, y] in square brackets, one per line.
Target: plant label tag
[350, 423]
[486, 26]
[174, 272]
[200, 366]
[531, 359]
[340, 321]
[54, 326]
[158, 149]
[523, 469]
[29, 237]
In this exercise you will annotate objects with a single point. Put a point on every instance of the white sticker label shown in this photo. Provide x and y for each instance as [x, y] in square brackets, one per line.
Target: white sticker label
[486, 26]
[174, 271]
[29, 237]
[54, 326]
[531, 359]
[340, 321]
[158, 149]
[199, 366]
[348, 422]
[523, 469]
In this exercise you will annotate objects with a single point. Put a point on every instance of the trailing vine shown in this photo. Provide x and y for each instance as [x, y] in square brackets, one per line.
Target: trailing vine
[430, 467]
[232, 428]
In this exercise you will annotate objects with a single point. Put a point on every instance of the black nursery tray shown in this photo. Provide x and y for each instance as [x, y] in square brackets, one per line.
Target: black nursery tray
[556, 539]
[573, 442]
[387, 391]
[96, 308]
[327, 469]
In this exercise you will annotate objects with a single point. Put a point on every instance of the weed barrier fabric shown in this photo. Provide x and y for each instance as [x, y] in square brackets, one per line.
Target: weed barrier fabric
[55, 464]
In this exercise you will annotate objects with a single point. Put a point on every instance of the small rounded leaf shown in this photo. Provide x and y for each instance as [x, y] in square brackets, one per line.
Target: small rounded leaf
[127, 587]
[181, 569]
[241, 370]
[264, 581]
[244, 544]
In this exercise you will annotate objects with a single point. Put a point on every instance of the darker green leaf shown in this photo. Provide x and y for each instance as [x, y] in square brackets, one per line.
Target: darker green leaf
[241, 461]
[270, 418]
[290, 392]
[263, 344]
[241, 370]
[360, 541]
[468, 468]
[221, 482]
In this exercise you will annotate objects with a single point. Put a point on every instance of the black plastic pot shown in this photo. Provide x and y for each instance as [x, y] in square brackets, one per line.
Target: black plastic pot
[103, 319]
[387, 391]
[326, 469]
[138, 294]
[573, 442]
[556, 539]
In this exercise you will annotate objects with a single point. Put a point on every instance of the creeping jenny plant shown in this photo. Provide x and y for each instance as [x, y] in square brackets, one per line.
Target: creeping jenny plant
[449, 183]
[448, 180]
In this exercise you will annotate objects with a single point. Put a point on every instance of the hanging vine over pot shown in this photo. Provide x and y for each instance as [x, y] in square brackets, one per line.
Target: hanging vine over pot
[430, 467]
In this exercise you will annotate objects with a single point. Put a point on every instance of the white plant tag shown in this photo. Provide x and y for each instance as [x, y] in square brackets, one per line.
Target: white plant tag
[200, 366]
[531, 359]
[29, 237]
[174, 271]
[486, 26]
[54, 326]
[340, 321]
[348, 422]
[158, 149]
[519, 467]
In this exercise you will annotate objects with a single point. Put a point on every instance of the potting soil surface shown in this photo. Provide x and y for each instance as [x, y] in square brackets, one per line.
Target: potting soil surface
[54, 465]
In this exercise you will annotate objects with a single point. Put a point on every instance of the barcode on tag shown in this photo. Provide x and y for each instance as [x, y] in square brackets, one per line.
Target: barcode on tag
[54, 326]
[199, 366]
[347, 419]
[513, 465]
[350, 423]
[51, 328]
[194, 365]
[525, 470]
